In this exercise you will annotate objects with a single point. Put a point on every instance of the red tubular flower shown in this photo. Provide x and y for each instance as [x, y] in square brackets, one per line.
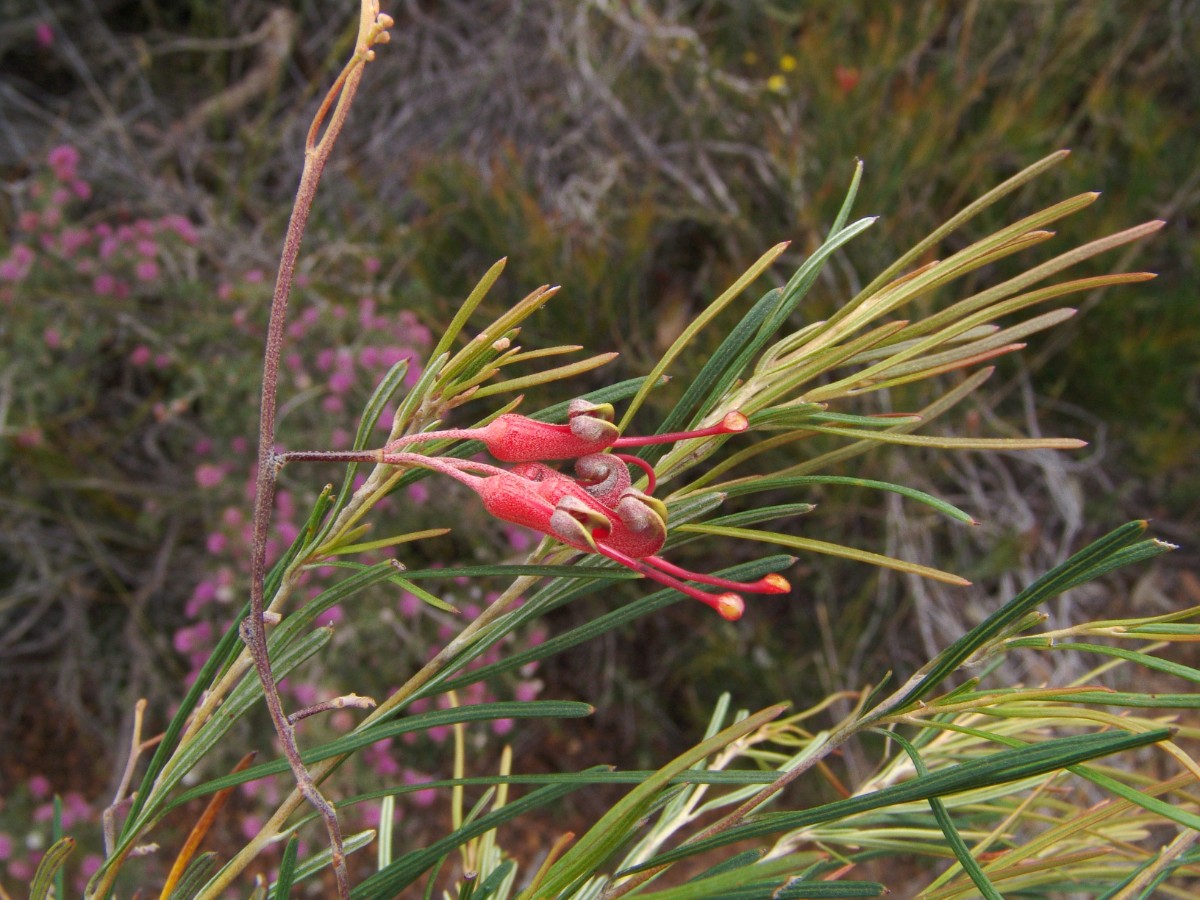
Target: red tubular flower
[588, 430]
[636, 532]
[601, 512]
[636, 523]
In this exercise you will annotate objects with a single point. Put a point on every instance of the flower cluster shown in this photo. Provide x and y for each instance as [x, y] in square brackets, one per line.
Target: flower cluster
[597, 511]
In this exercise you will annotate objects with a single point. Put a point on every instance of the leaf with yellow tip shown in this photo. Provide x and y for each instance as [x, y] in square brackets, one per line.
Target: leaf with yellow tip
[469, 305]
[546, 376]
[955, 443]
[731, 293]
[392, 541]
[827, 548]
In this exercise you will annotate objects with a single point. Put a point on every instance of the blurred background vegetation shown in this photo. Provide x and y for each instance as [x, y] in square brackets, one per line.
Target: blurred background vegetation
[639, 154]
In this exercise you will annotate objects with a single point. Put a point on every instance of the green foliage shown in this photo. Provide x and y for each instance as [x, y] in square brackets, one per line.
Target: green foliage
[710, 134]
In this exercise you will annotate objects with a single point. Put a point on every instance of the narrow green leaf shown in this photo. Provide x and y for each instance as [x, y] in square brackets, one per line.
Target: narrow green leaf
[282, 889]
[961, 851]
[791, 415]
[762, 514]
[1179, 670]
[1128, 556]
[614, 827]
[469, 306]
[961, 218]
[766, 877]
[424, 596]
[533, 709]
[755, 485]
[1134, 700]
[988, 771]
[1169, 811]
[47, 870]
[369, 421]
[545, 376]
[195, 876]
[889, 421]
[60, 877]
[491, 884]
[804, 277]
[602, 624]
[722, 368]
[737, 861]
[301, 621]
[1077, 569]
[829, 549]
[839, 221]
[314, 864]
[405, 870]
[1166, 631]
[953, 443]
[543, 352]
[696, 325]
[393, 541]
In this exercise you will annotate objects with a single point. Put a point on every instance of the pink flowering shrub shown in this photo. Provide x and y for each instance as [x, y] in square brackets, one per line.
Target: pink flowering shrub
[137, 373]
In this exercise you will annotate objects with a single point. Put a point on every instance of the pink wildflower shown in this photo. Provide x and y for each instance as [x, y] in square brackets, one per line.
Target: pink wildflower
[209, 475]
[18, 264]
[105, 285]
[39, 786]
[63, 159]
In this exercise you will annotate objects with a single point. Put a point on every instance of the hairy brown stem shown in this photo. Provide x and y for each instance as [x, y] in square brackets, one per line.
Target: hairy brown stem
[253, 630]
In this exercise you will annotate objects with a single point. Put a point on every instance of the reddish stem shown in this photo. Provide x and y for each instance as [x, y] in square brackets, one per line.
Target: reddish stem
[731, 424]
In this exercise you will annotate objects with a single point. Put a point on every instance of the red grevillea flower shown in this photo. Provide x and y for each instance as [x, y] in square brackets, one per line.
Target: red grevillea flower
[628, 531]
[589, 429]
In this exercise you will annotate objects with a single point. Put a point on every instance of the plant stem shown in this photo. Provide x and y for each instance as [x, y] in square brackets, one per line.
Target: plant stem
[253, 630]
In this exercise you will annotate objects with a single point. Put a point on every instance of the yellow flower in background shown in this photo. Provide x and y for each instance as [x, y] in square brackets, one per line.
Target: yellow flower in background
[787, 63]
[777, 83]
